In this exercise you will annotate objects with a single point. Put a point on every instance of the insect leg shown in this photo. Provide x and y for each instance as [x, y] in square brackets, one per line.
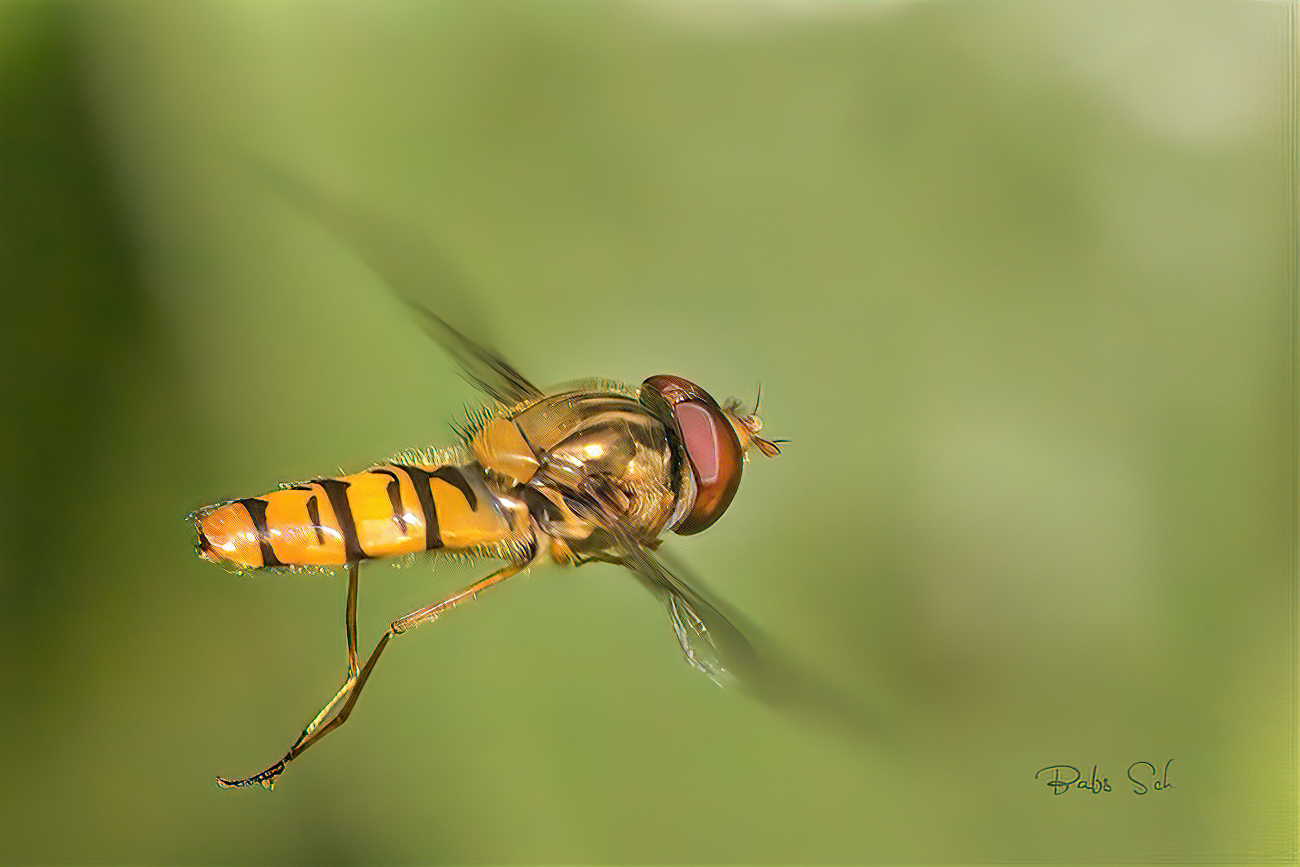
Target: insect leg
[350, 627]
[267, 778]
[323, 724]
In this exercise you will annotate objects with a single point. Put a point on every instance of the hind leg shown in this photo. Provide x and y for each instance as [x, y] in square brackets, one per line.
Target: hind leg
[324, 723]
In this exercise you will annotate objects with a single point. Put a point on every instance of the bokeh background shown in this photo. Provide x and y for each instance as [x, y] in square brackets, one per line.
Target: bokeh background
[1018, 281]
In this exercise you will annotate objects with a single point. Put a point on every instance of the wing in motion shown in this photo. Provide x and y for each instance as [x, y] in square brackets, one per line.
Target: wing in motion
[486, 370]
[707, 629]
[710, 641]
[413, 270]
[728, 643]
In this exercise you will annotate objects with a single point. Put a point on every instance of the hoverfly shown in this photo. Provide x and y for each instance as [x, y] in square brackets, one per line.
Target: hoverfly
[593, 471]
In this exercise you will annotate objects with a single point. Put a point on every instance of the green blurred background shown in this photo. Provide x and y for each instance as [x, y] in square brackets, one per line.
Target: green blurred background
[1018, 282]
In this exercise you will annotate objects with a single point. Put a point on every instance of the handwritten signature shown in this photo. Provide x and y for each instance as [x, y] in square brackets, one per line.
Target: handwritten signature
[1144, 776]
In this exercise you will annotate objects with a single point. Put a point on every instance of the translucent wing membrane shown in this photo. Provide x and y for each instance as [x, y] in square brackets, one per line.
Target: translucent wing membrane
[716, 640]
[414, 271]
[770, 674]
[710, 642]
[485, 369]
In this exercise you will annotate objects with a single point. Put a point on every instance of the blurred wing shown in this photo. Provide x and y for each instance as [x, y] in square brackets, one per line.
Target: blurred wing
[413, 270]
[483, 368]
[711, 643]
[761, 668]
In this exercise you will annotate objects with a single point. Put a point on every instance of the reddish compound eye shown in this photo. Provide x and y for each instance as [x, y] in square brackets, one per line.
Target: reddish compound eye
[712, 448]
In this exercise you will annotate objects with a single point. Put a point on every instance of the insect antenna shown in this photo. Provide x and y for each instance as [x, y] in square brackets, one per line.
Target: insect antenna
[752, 424]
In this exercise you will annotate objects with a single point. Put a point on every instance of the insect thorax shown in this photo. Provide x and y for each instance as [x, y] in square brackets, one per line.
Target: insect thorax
[580, 449]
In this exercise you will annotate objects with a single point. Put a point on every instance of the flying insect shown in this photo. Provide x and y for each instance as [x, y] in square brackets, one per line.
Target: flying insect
[592, 471]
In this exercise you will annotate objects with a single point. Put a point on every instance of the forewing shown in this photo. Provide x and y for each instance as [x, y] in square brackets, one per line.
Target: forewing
[709, 636]
[709, 640]
[760, 667]
[482, 367]
[414, 271]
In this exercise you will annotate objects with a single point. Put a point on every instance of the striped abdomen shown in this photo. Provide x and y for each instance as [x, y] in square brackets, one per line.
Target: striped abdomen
[388, 510]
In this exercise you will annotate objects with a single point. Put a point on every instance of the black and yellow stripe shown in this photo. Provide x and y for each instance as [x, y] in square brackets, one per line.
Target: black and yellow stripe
[386, 511]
